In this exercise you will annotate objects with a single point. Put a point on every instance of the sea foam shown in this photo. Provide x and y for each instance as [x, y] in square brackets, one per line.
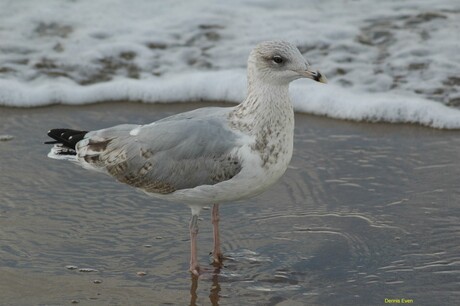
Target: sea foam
[390, 61]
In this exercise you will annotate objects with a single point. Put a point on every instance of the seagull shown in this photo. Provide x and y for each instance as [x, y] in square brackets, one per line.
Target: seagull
[206, 156]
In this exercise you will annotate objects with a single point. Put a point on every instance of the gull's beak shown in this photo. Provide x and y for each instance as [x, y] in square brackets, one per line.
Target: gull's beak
[314, 75]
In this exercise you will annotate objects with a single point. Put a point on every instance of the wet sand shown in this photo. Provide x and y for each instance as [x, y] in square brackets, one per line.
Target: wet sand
[366, 212]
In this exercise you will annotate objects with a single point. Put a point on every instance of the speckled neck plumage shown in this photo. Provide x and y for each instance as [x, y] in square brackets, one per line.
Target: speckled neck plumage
[265, 107]
[268, 115]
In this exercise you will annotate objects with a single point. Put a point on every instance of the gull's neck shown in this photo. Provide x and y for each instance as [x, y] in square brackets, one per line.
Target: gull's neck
[266, 106]
[267, 115]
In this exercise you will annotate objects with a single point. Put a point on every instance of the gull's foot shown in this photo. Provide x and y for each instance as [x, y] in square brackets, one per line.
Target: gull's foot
[199, 271]
[195, 269]
[217, 258]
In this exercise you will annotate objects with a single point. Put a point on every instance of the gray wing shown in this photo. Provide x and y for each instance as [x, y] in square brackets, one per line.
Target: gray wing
[178, 152]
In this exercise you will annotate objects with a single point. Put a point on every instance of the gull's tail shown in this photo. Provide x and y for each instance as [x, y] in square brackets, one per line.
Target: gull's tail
[64, 143]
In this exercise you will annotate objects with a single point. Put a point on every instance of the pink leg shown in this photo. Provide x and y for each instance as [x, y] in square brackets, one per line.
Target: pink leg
[194, 267]
[216, 252]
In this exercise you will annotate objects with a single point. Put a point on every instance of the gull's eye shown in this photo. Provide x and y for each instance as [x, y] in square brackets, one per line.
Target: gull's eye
[278, 59]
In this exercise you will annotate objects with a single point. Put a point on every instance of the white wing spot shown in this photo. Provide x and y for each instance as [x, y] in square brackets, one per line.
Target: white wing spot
[135, 131]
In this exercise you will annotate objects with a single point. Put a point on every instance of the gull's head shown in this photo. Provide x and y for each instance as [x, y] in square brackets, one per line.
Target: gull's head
[279, 63]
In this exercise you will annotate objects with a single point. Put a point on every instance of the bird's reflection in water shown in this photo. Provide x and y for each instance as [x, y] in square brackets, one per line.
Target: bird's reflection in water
[215, 288]
[193, 295]
[213, 293]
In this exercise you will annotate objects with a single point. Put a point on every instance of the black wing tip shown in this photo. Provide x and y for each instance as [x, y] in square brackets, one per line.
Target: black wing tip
[67, 137]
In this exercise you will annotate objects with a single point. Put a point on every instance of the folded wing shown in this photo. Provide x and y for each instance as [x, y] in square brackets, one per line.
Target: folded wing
[178, 152]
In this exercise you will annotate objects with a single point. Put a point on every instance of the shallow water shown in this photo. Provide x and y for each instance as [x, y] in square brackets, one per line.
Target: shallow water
[365, 212]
